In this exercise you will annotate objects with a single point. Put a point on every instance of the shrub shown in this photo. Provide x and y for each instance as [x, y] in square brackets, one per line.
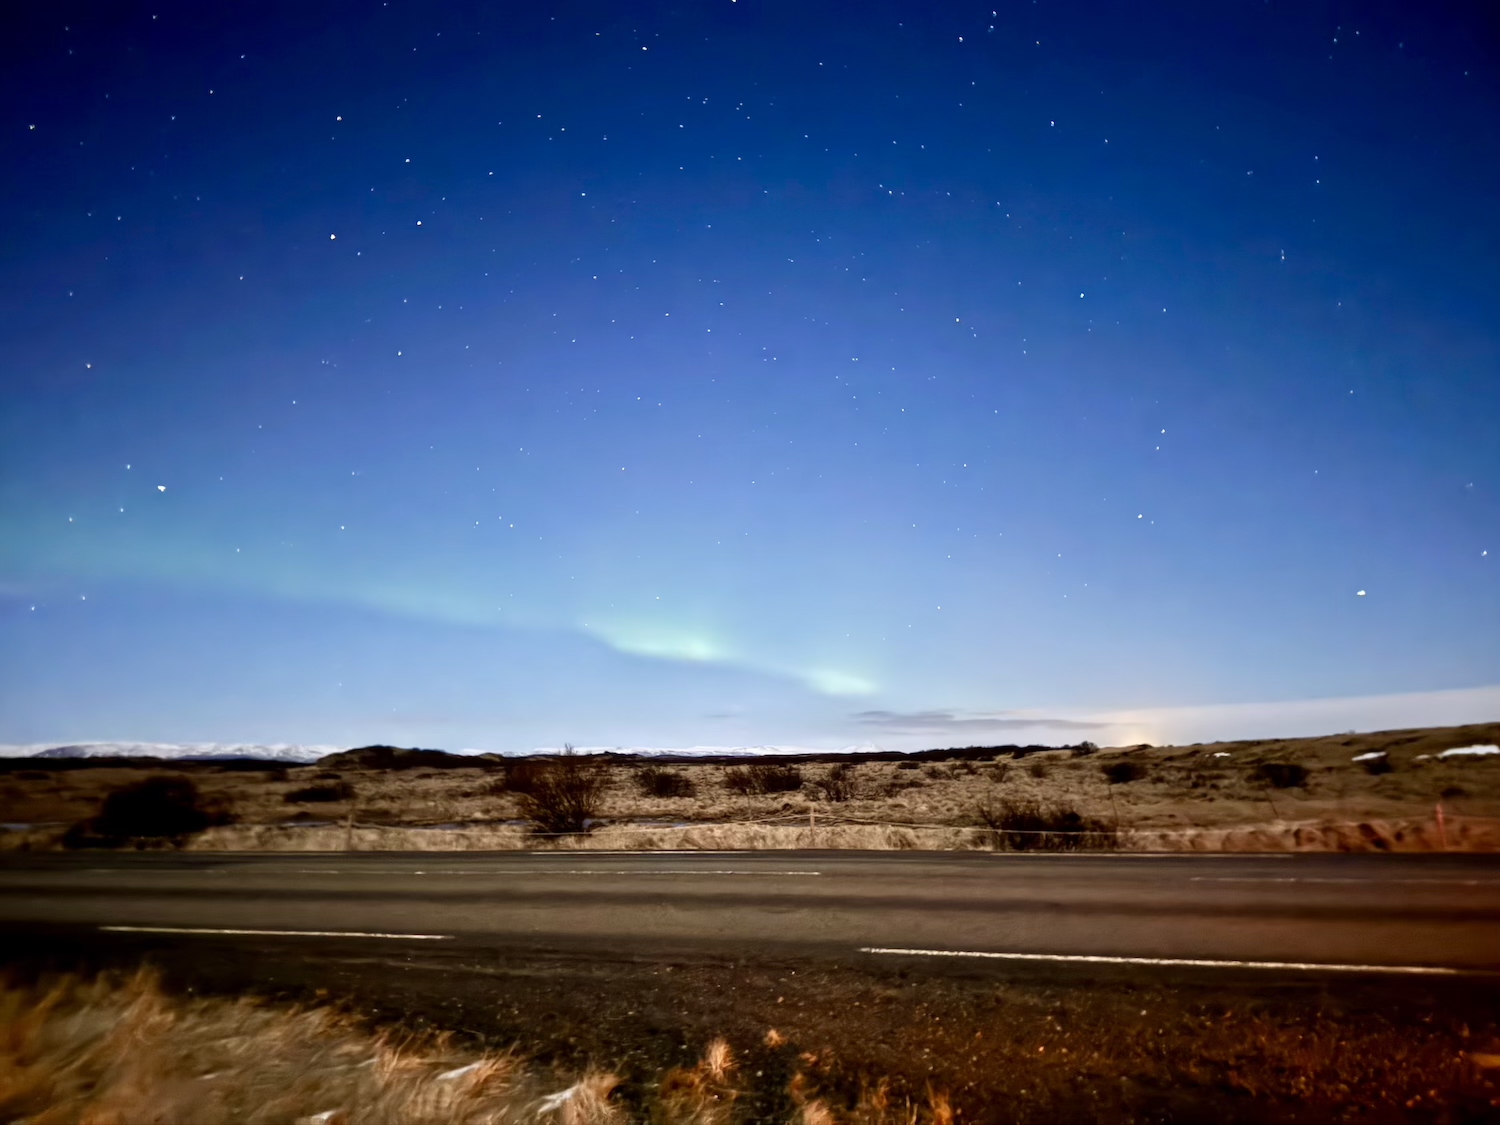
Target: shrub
[838, 783]
[1022, 825]
[562, 794]
[937, 772]
[1282, 775]
[158, 808]
[898, 785]
[1453, 791]
[1084, 750]
[1378, 766]
[521, 775]
[761, 778]
[908, 765]
[654, 781]
[320, 794]
[1037, 769]
[1118, 773]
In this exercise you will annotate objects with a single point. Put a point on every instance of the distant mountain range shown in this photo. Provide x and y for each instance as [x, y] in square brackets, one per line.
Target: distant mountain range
[294, 754]
[707, 751]
[183, 751]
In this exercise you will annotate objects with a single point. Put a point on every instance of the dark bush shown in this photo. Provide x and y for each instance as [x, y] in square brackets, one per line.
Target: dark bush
[776, 777]
[1282, 775]
[562, 794]
[1378, 766]
[320, 794]
[837, 784]
[1037, 769]
[1084, 750]
[937, 772]
[158, 808]
[908, 765]
[1453, 791]
[761, 778]
[1118, 773]
[1022, 825]
[521, 776]
[654, 781]
[897, 785]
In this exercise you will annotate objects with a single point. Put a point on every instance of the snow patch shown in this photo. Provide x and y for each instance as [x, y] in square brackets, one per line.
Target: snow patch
[1470, 751]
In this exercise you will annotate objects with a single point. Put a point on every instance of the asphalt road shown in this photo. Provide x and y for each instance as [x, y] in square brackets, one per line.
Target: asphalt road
[1284, 915]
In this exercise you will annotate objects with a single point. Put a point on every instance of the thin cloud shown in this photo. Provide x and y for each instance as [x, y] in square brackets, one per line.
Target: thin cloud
[940, 722]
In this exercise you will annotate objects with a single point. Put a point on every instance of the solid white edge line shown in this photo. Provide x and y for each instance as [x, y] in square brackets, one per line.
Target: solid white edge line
[1141, 855]
[1193, 962]
[272, 933]
[1352, 882]
[620, 871]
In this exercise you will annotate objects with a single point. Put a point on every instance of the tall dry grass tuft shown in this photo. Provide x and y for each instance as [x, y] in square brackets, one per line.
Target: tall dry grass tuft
[876, 1105]
[703, 1095]
[119, 1050]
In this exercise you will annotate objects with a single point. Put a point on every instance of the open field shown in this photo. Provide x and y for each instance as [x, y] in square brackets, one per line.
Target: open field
[1379, 791]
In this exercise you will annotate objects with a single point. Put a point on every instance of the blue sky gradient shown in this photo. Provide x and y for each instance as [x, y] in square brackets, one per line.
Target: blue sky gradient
[495, 375]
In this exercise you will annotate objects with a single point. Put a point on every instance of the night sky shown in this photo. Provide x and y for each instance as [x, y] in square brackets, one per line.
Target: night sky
[744, 371]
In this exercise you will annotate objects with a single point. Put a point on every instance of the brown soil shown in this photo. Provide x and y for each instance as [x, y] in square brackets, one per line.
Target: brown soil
[844, 1036]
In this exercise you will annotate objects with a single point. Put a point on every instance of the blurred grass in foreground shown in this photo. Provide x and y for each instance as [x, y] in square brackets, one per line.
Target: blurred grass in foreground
[113, 1050]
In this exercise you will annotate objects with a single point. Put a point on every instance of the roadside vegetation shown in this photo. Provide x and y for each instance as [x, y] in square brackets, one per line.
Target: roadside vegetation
[112, 1048]
[1020, 825]
[1390, 791]
[160, 811]
[749, 1047]
[762, 779]
[560, 795]
[321, 794]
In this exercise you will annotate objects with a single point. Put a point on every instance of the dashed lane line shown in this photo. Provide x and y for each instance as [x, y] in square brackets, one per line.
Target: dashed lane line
[1191, 962]
[273, 933]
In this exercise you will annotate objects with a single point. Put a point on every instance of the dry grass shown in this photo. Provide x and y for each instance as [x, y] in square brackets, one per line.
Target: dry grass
[121, 1051]
[709, 837]
[1184, 797]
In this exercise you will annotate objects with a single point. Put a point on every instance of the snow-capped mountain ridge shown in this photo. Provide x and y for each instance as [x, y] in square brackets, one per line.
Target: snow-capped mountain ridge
[273, 752]
[298, 754]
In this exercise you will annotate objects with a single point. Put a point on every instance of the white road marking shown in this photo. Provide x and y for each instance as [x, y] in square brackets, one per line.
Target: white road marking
[565, 871]
[272, 933]
[1194, 962]
[659, 871]
[1140, 855]
[1330, 879]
